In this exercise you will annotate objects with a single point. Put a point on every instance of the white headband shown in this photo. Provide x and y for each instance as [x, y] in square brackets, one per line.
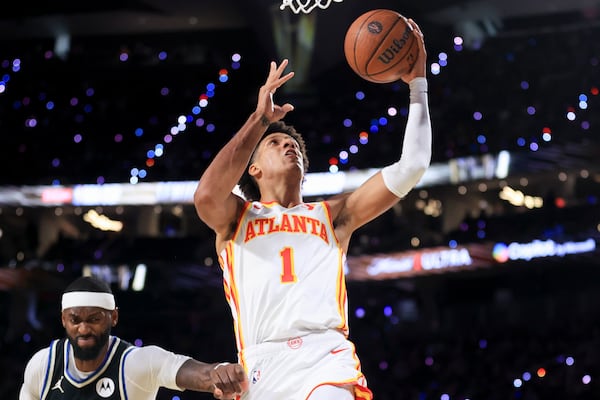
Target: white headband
[88, 299]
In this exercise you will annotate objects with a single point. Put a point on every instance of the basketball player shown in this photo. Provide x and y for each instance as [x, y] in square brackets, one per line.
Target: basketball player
[92, 364]
[283, 259]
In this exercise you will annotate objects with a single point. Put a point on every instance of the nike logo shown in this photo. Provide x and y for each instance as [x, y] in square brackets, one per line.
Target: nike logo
[338, 350]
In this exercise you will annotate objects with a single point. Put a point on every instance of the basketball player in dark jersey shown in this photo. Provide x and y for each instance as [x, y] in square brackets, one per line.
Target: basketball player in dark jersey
[91, 364]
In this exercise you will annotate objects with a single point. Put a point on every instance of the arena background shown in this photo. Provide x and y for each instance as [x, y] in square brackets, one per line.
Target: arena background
[481, 284]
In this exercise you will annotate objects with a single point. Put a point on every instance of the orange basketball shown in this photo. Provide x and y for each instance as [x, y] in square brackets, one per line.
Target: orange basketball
[380, 46]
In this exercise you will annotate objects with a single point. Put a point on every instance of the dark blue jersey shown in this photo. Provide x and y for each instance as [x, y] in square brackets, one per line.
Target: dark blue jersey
[106, 383]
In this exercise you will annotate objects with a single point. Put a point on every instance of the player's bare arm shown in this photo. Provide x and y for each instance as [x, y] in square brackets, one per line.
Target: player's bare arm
[215, 203]
[353, 210]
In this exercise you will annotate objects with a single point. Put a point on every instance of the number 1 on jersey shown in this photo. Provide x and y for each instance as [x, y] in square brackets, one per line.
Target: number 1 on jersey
[287, 259]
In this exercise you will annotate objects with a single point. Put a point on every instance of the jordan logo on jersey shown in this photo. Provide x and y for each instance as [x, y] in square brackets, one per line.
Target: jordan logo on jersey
[58, 385]
[105, 387]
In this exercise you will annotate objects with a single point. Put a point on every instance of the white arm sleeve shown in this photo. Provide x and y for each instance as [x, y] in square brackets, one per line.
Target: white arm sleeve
[403, 175]
[149, 368]
[33, 377]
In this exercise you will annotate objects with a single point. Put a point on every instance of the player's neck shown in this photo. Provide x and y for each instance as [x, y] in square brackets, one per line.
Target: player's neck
[89, 365]
[288, 195]
[286, 201]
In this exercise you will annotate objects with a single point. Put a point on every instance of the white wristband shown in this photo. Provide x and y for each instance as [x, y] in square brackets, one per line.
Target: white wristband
[221, 365]
[418, 90]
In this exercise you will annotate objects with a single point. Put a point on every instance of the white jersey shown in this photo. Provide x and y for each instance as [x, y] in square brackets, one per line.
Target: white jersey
[283, 273]
[142, 372]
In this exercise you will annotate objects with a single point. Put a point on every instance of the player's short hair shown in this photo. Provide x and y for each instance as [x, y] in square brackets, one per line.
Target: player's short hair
[247, 184]
[88, 284]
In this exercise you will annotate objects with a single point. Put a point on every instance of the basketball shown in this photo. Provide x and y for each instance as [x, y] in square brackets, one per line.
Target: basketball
[380, 46]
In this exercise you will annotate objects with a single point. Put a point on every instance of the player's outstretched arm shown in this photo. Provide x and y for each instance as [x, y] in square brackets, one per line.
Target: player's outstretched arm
[224, 380]
[215, 203]
[384, 189]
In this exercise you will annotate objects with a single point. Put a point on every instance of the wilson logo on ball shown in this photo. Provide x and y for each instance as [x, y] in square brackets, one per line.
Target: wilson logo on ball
[397, 44]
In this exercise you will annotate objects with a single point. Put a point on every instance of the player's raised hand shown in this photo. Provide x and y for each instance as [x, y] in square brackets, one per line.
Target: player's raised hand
[420, 67]
[266, 107]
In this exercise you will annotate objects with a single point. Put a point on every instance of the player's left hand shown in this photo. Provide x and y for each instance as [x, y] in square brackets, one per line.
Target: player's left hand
[266, 106]
[229, 380]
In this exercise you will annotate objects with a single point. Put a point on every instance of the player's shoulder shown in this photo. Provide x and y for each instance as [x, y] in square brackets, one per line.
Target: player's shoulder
[148, 352]
[38, 361]
[41, 354]
[45, 352]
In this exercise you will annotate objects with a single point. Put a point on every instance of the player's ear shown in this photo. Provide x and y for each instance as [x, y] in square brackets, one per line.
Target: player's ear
[115, 317]
[253, 170]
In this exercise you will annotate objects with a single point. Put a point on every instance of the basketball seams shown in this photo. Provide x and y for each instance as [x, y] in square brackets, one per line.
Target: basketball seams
[378, 48]
[359, 29]
[368, 20]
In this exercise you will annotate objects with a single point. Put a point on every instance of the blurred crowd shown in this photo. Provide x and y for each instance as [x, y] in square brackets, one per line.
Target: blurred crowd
[94, 115]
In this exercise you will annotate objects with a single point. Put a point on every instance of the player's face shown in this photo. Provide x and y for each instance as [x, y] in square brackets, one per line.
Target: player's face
[279, 151]
[88, 329]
